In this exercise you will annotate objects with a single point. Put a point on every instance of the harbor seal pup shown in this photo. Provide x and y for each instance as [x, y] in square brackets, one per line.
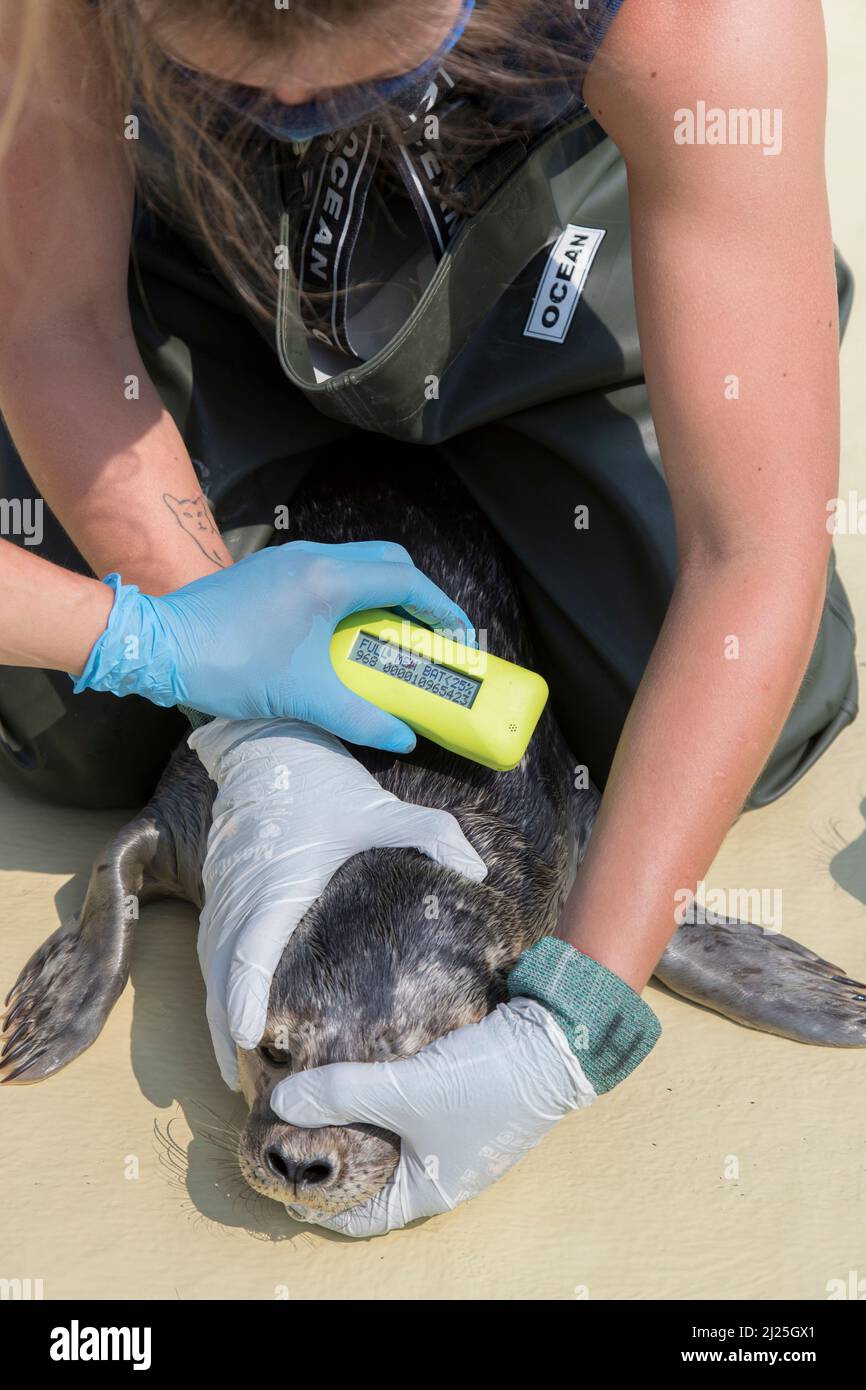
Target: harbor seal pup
[398, 950]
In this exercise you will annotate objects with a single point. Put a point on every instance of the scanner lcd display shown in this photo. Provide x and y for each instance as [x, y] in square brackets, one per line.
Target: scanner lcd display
[415, 670]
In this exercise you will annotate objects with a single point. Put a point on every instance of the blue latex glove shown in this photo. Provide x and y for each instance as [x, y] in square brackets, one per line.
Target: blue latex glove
[253, 640]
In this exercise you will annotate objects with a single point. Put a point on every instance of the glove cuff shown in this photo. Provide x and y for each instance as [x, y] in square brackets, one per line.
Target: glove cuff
[608, 1026]
[131, 656]
[195, 716]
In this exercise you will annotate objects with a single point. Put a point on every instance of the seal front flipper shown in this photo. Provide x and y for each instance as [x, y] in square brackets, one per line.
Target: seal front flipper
[64, 994]
[766, 981]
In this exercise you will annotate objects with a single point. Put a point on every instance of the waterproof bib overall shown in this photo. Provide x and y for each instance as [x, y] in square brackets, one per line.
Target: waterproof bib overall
[518, 366]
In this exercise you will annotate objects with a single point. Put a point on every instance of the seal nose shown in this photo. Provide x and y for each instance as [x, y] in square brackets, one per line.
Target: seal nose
[299, 1172]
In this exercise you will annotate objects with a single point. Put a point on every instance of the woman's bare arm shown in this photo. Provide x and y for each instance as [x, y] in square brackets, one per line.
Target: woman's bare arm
[49, 616]
[103, 460]
[734, 277]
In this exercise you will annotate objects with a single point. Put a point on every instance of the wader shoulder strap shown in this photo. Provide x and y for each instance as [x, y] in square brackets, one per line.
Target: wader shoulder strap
[326, 191]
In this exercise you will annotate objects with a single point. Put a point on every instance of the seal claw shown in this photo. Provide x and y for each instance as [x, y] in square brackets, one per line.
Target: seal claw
[18, 1074]
[10, 1042]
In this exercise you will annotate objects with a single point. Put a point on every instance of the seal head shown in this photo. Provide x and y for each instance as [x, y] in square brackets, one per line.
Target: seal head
[395, 953]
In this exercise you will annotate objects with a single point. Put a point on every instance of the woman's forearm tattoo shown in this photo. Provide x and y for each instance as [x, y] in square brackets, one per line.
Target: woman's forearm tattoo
[192, 515]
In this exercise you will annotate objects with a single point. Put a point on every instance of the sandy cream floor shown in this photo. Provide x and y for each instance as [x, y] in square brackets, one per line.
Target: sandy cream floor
[733, 1164]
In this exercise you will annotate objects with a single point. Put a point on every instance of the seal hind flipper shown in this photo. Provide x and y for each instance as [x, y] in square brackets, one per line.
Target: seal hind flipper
[766, 981]
[63, 996]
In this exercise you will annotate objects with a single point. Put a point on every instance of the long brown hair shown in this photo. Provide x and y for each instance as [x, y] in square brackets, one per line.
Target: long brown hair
[204, 172]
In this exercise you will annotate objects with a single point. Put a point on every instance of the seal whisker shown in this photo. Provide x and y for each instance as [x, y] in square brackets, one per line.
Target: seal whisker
[829, 841]
[171, 1154]
[228, 1125]
[222, 1145]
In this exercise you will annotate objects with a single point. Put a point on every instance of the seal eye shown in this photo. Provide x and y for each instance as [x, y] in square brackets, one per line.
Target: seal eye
[275, 1056]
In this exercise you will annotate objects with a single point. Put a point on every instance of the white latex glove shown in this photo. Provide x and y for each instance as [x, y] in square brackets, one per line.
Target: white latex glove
[293, 805]
[467, 1108]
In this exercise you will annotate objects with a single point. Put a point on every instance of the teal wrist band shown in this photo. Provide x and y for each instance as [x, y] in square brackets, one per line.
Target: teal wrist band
[195, 716]
[608, 1026]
